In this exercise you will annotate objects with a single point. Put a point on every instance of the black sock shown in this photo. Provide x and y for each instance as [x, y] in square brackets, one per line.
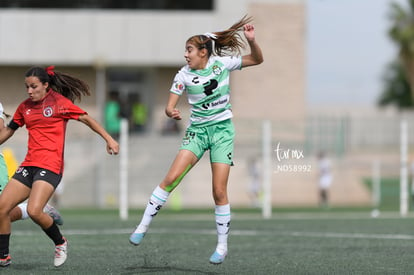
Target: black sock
[4, 245]
[54, 233]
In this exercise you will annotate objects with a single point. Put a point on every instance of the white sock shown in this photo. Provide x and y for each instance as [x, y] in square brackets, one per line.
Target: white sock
[223, 217]
[157, 200]
[23, 208]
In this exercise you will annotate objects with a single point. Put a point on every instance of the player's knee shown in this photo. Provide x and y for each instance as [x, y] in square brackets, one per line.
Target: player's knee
[169, 184]
[167, 181]
[220, 196]
[171, 181]
[34, 213]
[5, 209]
[4, 212]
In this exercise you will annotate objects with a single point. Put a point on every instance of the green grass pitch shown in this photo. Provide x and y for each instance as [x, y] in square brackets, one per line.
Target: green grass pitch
[291, 242]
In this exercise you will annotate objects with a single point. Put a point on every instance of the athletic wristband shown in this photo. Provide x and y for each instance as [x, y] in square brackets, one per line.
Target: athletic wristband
[13, 125]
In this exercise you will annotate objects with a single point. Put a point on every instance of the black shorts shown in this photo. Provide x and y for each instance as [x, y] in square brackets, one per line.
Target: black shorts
[29, 174]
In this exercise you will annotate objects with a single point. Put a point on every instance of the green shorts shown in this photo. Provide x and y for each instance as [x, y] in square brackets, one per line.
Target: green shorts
[218, 138]
[4, 177]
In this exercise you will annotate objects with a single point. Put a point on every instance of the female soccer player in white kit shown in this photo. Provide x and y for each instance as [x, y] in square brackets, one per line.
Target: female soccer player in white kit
[205, 79]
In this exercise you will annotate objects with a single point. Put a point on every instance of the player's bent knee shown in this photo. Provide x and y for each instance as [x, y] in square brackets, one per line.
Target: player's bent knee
[4, 210]
[34, 213]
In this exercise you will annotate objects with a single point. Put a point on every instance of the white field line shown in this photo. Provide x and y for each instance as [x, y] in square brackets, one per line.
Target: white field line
[90, 232]
[295, 216]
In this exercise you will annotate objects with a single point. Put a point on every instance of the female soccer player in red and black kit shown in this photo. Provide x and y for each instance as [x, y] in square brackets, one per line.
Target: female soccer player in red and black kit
[45, 114]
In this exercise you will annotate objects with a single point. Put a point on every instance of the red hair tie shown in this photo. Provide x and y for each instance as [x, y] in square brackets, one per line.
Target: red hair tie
[49, 70]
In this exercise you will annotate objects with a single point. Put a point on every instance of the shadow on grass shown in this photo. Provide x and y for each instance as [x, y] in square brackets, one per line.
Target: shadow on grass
[159, 267]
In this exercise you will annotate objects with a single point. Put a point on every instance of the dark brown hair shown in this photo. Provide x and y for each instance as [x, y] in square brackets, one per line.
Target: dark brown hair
[65, 84]
[226, 41]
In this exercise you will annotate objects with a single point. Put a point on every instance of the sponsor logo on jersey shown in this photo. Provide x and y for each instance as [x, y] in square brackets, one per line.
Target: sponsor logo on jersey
[42, 173]
[47, 112]
[214, 104]
[195, 80]
[230, 157]
[22, 171]
[219, 102]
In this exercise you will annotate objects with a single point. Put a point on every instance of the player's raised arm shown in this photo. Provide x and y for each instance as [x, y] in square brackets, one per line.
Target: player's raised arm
[255, 57]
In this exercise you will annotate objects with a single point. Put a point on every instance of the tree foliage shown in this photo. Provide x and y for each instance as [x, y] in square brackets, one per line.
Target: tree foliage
[396, 88]
[399, 79]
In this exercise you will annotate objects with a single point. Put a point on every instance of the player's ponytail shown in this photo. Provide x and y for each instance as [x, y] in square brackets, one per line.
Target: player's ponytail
[65, 84]
[225, 42]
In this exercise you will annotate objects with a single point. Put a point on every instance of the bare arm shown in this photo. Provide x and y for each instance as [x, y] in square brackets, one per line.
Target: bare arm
[170, 110]
[5, 132]
[112, 147]
[255, 57]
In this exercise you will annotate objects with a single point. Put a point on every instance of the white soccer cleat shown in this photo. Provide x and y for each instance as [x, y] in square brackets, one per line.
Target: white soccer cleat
[61, 253]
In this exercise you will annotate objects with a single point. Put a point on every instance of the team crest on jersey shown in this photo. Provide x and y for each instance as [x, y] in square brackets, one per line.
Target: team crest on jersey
[47, 112]
[216, 70]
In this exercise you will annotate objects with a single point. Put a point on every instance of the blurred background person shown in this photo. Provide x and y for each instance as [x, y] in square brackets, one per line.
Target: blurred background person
[325, 179]
[113, 114]
[139, 113]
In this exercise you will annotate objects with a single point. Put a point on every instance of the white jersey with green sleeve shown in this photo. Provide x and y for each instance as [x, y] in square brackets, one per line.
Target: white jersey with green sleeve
[208, 90]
